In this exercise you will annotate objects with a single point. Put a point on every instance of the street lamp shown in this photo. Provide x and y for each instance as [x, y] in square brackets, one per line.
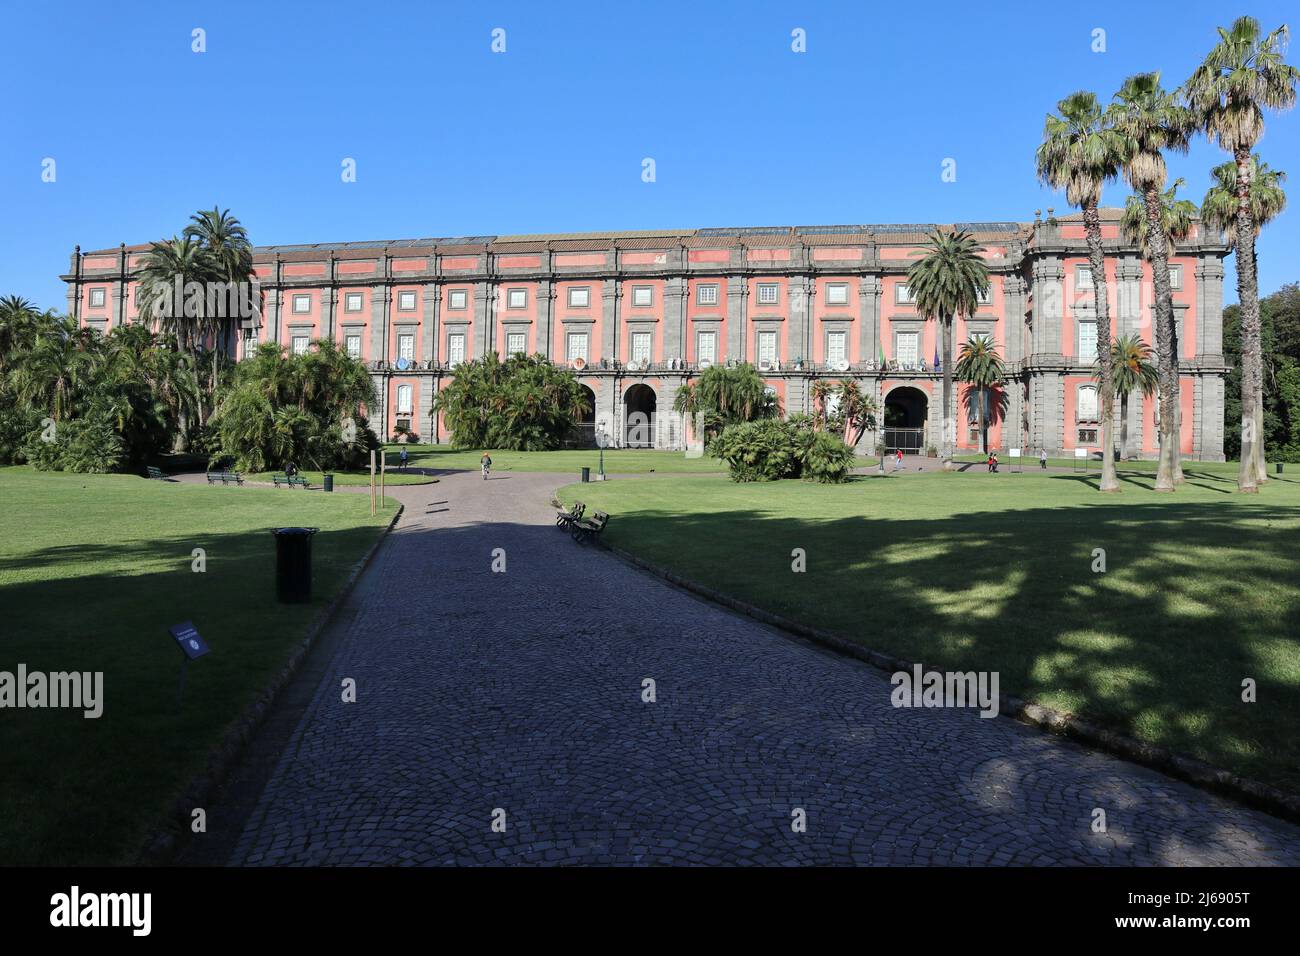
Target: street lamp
[602, 439]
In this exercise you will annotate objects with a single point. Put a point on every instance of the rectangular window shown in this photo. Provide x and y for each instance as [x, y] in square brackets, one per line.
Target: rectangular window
[1083, 277]
[643, 295]
[903, 294]
[97, 298]
[706, 347]
[907, 348]
[706, 295]
[455, 348]
[403, 399]
[837, 293]
[1087, 436]
[641, 346]
[1087, 343]
[300, 344]
[769, 293]
[1175, 277]
[352, 302]
[767, 348]
[301, 304]
[517, 299]
[406, 347]
[406, 302]
[353, 345]
[516, 342]
[579, 297]
[836, 347]
[1087, 404]
[985, 296]
[457, 299]
[577, 346]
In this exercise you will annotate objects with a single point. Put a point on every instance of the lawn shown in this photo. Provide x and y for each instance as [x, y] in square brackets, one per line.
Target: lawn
[93, 571]
[316, 478]
[620, 461]
[994, 572]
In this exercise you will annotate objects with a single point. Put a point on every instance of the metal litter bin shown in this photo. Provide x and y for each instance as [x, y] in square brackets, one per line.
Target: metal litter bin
[293, 564]
[329, 482]
[586, 474]
[1278, 466]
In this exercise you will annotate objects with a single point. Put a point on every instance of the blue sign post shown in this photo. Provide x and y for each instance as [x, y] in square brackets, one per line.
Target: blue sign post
[192, 646]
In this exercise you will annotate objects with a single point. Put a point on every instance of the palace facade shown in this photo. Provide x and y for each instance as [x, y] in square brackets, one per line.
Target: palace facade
[638, 314]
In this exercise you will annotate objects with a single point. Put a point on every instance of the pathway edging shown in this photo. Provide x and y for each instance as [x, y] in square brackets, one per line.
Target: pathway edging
[1197, 772]
[162, 844]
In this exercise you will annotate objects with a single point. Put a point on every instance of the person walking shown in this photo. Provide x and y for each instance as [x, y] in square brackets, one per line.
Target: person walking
[898, 460]
[1042, 458]
[486, 462]
[402, 459]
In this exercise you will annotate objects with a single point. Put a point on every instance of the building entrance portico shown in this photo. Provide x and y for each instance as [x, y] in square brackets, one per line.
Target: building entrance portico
[906, 409]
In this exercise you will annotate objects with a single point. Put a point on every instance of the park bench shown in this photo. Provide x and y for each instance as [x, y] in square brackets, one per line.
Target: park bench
[563, 518]
[288, 482]
[225, 477]
[155, 474]
[584, 529]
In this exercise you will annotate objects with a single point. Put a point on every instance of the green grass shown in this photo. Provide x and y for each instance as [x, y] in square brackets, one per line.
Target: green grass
[1143, 467]
[994, 572]
[623, 461]
[93, 571]
[317, 478]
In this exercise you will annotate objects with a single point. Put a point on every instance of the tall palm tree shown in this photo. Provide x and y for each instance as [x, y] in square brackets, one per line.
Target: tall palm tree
[230, 255]
[948, 282]
[1131, 371]
[1219, 210]
[54, 374]
[1178, 216]
[1152, 120]
[18, 319]
[980, 366]
[1243, 75]
[1080, 153]
[182, 259]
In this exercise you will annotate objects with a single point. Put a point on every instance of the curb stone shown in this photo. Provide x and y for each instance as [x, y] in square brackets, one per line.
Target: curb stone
[161, 844]
[1252, 792]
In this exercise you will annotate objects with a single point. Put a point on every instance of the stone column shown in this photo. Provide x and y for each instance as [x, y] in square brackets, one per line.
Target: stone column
[869, 288]
[545, 316]
[484, 294]
[675, 319]
[737, 334]
[329, 298]
[1209, 311]
[379, 300]
[609, 295]
[432, 300]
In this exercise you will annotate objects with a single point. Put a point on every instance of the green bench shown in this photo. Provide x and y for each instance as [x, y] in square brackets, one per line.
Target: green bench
[287, 482]
[225, 477]
[586, 529]
[564, 518]
[155, 474]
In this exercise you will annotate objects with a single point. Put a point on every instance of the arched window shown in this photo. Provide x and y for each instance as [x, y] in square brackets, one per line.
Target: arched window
[403, 399]
[1086, 406]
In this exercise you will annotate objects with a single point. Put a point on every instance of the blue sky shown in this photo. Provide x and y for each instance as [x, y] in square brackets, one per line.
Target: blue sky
[452, 139]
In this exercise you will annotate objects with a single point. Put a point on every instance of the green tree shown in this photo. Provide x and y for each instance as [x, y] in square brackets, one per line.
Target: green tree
[1131, 371]
[523, 403]
[980, 366]
[1241, 77]
[946, 283]
[229, 255]
[1151, 120]
[1080, 153]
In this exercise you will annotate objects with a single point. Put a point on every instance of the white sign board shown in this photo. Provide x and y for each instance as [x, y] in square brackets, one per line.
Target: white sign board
[1081, 453]
[1014, 453]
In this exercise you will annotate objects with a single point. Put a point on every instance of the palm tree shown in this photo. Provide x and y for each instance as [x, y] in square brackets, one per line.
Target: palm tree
[1080, 154]
[230, 257]
[1152, 120]
[1131, 370]
[980, 366]
[854, 411]
[163, 265]
[1178, 216]
[1243, 75]
[1219, 210]
[17, 326]
[53, 375]
[948, 282]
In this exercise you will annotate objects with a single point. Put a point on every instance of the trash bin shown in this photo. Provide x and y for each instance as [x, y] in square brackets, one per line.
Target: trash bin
[1278, 466]
[293, 564]
[329, 482]
[586, 474]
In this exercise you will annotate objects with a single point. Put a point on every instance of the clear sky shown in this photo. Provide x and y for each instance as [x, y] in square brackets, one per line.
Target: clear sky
[450, 138]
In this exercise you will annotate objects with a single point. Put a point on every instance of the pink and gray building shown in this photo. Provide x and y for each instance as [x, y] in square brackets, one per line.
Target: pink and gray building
[638, 314]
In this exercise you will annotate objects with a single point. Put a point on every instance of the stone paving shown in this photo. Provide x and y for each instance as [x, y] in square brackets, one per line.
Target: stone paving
[481, 692]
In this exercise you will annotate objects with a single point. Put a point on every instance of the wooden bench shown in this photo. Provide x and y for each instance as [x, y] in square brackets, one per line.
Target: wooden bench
[288, 482]
[225, 477]
[564, 518]
[155, 474]
[583, 529]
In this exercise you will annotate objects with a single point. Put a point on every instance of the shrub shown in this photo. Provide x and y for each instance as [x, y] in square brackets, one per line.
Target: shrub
[771, 449]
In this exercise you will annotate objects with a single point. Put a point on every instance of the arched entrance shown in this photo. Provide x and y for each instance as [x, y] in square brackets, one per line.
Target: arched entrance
[906, 409]
[585, 432]
[639, 404]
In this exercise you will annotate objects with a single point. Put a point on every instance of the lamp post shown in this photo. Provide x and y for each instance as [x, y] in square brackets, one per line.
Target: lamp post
[602, 440]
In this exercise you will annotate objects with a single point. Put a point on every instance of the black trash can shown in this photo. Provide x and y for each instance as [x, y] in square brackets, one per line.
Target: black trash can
[1278, 466]
[586, 474]
[293, 564]
[329, 482]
